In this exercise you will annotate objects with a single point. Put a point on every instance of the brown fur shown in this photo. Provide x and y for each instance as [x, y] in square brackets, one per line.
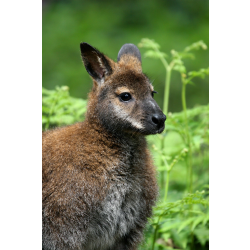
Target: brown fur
[99, 182]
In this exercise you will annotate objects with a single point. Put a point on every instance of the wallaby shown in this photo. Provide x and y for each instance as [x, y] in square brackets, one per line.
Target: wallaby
[99, 182]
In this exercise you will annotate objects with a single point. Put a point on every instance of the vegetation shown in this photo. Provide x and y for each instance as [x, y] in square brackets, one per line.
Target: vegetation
[107, 25]
[181, 216]
[59, 108]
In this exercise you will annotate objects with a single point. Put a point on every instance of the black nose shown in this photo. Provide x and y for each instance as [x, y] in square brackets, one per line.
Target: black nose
[158, 120]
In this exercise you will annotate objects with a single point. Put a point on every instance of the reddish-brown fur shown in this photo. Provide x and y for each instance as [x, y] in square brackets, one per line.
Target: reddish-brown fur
[99, 181]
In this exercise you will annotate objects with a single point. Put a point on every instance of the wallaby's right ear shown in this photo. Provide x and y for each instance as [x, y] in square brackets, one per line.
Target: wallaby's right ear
[95, 62]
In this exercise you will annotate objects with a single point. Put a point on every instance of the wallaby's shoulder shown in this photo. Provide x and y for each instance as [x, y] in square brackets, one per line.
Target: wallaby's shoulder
[82, 147]
[80, 135]
[61, 132]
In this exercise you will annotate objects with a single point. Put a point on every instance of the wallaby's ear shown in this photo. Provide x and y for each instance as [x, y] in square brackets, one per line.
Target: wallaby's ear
[131, 49]
[95, 62]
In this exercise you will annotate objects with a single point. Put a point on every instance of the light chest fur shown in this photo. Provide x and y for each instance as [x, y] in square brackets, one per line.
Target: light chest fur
[124, 206]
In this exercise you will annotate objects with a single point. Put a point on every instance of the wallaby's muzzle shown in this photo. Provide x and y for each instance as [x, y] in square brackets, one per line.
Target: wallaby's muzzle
[158, 121]
[154, 120]
[155, 123]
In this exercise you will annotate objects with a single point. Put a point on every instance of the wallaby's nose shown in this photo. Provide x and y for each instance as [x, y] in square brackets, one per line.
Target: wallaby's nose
[158, 120]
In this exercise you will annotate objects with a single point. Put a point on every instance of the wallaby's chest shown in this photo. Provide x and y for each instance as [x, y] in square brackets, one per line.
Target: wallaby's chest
[121, 209]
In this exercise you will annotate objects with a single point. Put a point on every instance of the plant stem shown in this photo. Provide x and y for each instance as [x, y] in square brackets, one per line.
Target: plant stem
[167, 82]
[165, 111]
[190, 172]
[165, 102]
[166, 187]
[166, 92]
[184, 106]
[165, 105]
[162, 162]
[155, 232]
[183, 99]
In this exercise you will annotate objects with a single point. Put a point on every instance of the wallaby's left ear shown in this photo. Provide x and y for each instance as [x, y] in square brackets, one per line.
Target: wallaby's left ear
[130, 49]
[95, 62]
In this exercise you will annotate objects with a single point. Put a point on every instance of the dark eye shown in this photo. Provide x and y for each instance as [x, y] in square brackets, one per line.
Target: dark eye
[125, 97]
[154, 92]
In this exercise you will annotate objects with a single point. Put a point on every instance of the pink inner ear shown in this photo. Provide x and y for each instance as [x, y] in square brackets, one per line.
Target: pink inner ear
[100, 72]
[97, 67]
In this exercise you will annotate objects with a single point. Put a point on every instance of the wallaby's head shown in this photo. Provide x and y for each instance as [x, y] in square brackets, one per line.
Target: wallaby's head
[122, 96]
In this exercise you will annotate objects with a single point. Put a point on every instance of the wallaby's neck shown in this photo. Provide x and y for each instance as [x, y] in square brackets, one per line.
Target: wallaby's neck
[117, 138]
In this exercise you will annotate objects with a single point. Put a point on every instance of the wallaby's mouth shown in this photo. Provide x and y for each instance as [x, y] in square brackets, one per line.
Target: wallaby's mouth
[161, 130]
[157, 131]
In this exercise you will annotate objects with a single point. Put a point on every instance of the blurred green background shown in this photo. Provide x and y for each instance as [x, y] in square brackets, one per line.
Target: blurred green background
[107, 25]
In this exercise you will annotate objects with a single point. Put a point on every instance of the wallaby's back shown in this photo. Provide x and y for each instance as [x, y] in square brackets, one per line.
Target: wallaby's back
[99, 182]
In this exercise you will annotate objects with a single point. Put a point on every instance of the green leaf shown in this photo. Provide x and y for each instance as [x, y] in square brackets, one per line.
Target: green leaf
[185, 223]
[186, 55]
[47, 92]
[62, 119]
[154, 54]
[167, 226]
[45, 109]
[205, 219]
[63, 108]
[180, 68]
[148, 43]
[180, 239]
[196, 46]
[202, 234]
[81, 111]
[44, 119]
[198, 220]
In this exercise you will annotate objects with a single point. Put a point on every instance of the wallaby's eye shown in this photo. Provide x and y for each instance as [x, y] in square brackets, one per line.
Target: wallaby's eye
[154, 92]
[125, 97]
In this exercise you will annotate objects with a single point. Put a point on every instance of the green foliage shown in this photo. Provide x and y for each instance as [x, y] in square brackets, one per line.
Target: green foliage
[198, 125]
[59, 108]
[181, 216]
[107, 25]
